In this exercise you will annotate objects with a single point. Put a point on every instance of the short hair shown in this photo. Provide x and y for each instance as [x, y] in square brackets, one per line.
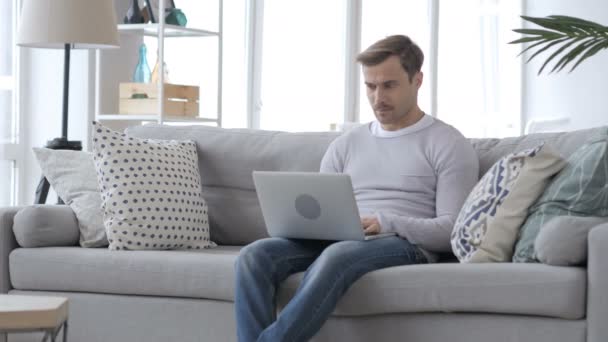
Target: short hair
[409, 53]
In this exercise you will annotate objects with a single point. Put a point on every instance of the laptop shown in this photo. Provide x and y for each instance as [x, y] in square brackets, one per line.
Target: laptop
[310, 205]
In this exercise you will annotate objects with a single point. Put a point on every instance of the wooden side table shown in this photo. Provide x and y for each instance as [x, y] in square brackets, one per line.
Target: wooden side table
[34, 313]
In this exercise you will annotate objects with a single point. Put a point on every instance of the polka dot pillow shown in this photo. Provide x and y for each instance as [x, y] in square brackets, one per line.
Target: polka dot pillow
[150, 191]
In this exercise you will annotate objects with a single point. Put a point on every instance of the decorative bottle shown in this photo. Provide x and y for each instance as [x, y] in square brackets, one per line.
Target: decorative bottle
[134, 14]
[156, 70]
[142, 70]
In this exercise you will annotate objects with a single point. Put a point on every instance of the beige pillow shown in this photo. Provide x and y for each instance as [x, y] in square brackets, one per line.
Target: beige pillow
[486, 228]
[72, 175]
[563, 240]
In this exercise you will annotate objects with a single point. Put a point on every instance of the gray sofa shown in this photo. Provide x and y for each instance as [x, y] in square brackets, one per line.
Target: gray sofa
[188, 296]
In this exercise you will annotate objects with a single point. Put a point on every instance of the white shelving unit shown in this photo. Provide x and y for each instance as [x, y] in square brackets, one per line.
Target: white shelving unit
[161, 31]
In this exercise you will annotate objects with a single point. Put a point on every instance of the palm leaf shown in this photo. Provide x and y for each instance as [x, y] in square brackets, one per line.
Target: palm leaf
[544, 41]
[571, 55]
[526, 40]
[539, 51]
[550, 24]
[576, 21]
[590, 52]
[589, 37]
[557, 52]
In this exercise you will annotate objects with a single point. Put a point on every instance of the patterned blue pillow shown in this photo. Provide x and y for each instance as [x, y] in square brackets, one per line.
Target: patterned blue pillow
[578, 190]
[487, 226]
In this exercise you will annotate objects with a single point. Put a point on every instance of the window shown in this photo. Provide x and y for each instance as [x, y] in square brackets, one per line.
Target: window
[10, 156]
[284, 61]
[479, 75]
[472, 76]
[303, 52]
[381, 18]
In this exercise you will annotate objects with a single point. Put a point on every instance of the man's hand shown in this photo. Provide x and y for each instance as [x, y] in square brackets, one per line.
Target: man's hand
[371, 226]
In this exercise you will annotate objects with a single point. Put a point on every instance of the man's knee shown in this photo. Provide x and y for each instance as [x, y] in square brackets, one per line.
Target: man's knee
[339, 254]
[254, 254]
[343, 249]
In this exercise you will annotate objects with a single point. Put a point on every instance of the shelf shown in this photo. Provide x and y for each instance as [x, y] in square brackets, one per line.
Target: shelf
[151, 117]
[151, 30]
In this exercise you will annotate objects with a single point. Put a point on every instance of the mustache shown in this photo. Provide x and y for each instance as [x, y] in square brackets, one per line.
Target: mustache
[383, 107]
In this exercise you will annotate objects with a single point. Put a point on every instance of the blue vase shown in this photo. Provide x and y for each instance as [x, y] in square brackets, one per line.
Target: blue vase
[142, 70]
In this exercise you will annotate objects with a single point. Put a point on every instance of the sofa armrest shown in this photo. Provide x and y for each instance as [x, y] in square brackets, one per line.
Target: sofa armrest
[7, 244]
[597, 284]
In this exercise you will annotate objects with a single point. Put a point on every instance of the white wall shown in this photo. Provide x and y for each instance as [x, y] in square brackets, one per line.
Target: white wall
[581, 96]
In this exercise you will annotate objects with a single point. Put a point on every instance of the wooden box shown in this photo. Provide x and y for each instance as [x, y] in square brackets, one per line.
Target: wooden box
[142, 98]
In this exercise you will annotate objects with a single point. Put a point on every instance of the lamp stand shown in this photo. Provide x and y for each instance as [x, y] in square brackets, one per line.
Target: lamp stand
[42, 190]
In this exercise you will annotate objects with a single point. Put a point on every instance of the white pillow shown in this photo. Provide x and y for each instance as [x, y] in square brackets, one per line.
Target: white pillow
[150, 192]
[72, 175]
[563, 240]
[486, 228]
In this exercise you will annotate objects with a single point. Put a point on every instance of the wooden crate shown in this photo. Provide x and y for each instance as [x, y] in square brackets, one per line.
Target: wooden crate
[179, 100]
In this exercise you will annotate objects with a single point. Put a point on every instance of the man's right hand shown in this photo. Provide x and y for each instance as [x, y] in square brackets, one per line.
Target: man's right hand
[371, 226]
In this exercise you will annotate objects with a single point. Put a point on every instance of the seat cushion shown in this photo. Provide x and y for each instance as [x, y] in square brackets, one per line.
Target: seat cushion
[530, 289]
[504, 288]
[176, 273]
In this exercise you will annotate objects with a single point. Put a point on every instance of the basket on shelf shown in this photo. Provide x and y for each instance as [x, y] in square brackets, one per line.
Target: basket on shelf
[142, 98]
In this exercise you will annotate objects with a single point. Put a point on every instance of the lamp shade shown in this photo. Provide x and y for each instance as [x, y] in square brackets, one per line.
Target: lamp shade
[85, 24]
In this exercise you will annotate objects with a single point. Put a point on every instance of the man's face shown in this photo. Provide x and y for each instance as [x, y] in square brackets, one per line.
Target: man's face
[391, 94]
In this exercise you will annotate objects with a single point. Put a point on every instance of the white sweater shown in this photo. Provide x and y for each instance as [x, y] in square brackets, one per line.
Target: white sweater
[413, 180]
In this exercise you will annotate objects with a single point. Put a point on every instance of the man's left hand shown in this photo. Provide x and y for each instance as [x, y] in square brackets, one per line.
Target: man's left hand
[371, 226]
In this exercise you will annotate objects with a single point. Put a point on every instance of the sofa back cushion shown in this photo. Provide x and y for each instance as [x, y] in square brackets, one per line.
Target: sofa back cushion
[227, 158]
[491, 150]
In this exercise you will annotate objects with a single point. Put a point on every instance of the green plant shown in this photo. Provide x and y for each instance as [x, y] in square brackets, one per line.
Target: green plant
[585, 37]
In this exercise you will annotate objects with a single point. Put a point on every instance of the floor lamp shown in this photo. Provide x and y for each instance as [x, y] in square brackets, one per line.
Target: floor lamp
[66, 24]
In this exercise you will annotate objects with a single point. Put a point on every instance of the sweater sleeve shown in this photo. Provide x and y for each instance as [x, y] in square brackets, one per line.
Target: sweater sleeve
[332, 161]
[457, 169]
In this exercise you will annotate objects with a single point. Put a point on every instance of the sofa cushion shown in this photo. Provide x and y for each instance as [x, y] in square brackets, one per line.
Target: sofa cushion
[563, 240]
[227, 158]
[497, 288]
[565, 143]
[578, 190]
[487, 226]
[503, 288]
[205, 273]
[72, 175]
[150, 192]
[45, 226]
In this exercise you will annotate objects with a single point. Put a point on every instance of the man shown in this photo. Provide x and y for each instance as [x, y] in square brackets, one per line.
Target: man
[411, 174]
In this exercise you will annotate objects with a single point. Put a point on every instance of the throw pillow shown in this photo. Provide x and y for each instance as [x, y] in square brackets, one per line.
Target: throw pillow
[563, 240]
[487, 226]
[578, 190]
[150, 192]
[72, 175]
[44, 225]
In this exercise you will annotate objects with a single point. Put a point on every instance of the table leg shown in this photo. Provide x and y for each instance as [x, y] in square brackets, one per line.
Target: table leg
[65, 331]
[47, 333]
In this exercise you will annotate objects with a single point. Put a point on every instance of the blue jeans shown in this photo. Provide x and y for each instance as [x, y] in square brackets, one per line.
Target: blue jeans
[331, 268]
